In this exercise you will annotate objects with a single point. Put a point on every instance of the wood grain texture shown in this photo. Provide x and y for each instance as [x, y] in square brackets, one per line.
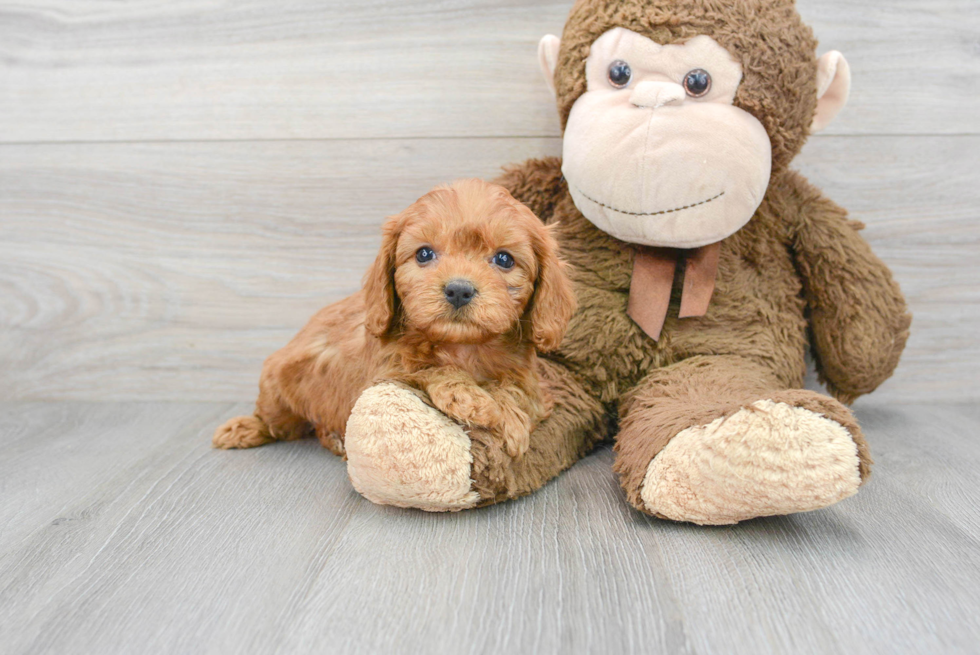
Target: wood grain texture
[134, 270]
[142, 539]
[170, 271]
[93, 70]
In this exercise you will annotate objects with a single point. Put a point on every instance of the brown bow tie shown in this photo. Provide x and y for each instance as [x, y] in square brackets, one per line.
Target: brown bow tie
[653, 278]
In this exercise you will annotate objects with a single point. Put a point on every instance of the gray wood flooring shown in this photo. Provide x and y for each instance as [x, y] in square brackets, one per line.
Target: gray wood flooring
[121, 531]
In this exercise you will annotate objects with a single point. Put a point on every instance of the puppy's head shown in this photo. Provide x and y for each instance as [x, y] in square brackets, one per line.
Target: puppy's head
[465, 263]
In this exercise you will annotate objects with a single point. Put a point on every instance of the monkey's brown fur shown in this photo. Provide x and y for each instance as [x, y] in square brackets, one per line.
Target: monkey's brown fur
[476, 363]
[798, 275]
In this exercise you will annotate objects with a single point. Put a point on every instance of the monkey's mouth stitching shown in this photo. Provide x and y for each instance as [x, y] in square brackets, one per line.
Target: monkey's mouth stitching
[665, 211]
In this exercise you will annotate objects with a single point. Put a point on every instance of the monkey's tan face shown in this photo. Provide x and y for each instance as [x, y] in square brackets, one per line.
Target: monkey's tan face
[655, 153]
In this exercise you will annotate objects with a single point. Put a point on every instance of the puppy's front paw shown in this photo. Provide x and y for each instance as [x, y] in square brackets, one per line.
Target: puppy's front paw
[332, 441]
[241, 432]
[466, 404]
[515, 430]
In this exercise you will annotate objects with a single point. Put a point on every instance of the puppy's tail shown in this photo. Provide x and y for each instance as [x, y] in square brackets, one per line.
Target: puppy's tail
[242, 432]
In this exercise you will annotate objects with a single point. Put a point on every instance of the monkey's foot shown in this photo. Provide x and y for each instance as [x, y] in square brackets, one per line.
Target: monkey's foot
[767, 459]
[241, 432]
[403, 452]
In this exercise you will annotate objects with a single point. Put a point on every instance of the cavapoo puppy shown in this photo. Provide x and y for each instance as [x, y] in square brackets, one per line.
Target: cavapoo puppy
[466, 287]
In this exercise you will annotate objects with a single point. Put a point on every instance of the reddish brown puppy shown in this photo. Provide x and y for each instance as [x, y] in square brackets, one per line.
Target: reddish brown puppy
[466, 287]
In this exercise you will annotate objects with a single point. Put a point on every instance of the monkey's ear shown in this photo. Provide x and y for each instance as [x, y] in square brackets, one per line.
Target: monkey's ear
[833, 88]
[548, 58]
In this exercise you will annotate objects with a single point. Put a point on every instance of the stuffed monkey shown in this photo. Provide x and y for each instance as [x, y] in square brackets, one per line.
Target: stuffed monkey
[704, 269]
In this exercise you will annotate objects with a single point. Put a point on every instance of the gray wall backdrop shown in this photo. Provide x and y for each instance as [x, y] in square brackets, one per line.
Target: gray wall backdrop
[182, 184]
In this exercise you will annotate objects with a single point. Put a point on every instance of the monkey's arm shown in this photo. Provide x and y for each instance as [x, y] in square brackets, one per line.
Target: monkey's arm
[858, 316]
[538, 183]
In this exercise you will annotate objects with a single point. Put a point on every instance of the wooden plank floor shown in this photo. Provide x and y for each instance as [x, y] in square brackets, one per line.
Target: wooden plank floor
[121, 531]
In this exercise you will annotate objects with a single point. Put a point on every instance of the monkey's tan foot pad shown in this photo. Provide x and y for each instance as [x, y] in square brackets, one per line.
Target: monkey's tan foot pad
[403, 452]
[241, 432]
[767, 459]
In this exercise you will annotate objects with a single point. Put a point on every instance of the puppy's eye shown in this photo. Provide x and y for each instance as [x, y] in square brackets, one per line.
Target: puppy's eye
[503, 260]
[425, 255]
[620, 74]
[697, 82]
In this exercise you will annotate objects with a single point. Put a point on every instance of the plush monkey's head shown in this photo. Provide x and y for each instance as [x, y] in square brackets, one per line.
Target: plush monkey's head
[677, 112]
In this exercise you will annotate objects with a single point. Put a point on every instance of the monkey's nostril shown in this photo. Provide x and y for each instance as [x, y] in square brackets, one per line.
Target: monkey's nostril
[459, 292]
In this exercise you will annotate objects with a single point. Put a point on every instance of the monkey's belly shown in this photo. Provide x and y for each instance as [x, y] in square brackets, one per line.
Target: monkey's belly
[612, 354]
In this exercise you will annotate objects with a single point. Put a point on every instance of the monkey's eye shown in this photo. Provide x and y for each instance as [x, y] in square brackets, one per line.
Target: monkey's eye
[697, 82]
[425, 255]
[620, 74]
[503, 260]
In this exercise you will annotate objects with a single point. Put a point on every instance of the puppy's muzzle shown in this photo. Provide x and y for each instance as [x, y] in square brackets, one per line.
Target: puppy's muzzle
[459, 292]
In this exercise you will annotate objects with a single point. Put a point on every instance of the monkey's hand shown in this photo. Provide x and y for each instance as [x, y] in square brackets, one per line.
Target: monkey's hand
[538, 183]
[858, 315]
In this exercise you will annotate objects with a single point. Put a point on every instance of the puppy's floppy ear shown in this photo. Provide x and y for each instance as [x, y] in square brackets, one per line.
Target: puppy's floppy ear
[553, 302]
[380, 299]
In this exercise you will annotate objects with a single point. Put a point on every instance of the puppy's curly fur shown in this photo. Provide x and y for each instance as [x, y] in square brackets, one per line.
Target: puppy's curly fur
[475, 358]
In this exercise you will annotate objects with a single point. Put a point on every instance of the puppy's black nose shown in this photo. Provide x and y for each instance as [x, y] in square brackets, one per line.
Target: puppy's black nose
[459, 292]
